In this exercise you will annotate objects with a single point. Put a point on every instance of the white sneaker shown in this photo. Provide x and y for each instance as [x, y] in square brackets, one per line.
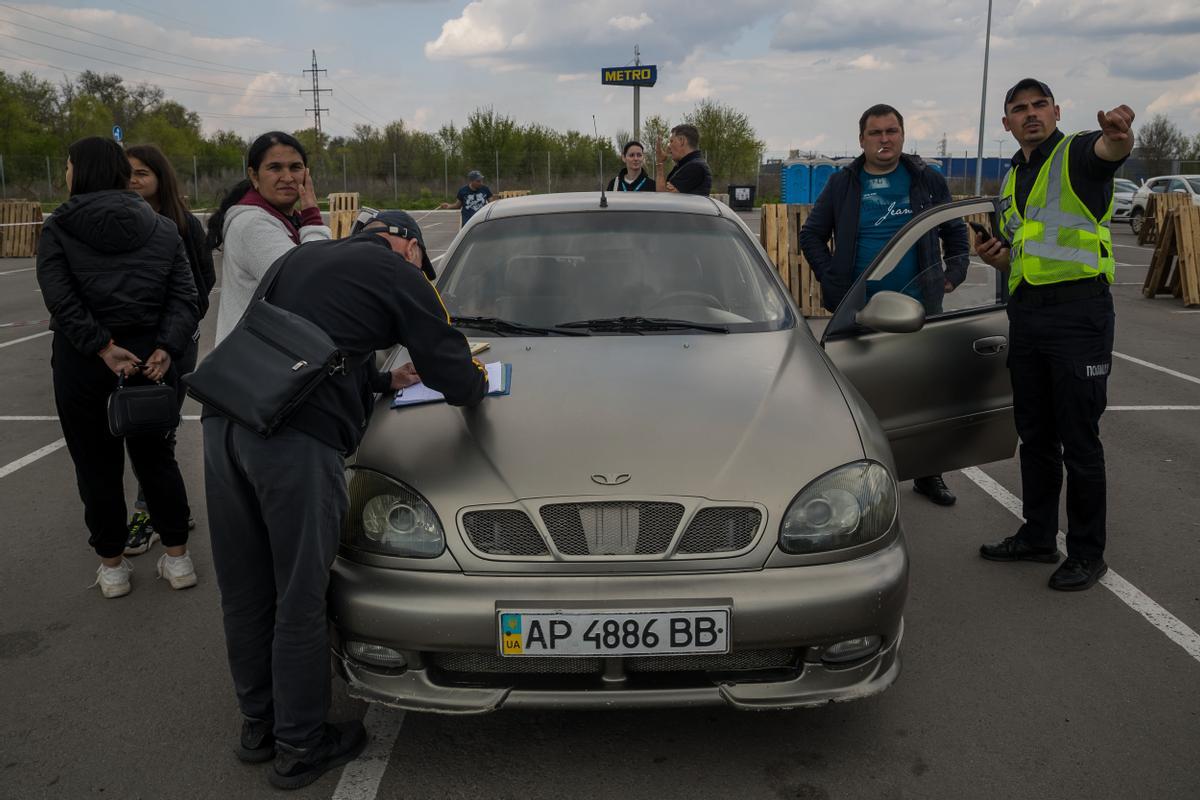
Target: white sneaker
[178, 570]
[114, 581]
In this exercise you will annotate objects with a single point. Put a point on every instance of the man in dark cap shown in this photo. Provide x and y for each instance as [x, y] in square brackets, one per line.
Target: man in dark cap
[1056, 203]
[275, 505]
[472, 197]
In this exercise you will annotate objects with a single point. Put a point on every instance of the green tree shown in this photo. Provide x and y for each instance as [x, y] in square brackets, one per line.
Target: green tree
[1159, 142]
[730, 144]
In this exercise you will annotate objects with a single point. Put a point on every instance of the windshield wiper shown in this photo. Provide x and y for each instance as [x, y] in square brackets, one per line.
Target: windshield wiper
[640, 324]
[503, 326]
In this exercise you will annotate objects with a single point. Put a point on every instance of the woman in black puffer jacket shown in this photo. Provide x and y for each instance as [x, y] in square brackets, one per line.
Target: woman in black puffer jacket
[117, 282]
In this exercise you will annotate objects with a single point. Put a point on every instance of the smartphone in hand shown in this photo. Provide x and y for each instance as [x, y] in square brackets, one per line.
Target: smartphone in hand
[983, 234]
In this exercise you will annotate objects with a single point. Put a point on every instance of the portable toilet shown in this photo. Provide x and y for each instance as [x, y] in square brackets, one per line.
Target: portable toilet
[795, 183]
[822, 169]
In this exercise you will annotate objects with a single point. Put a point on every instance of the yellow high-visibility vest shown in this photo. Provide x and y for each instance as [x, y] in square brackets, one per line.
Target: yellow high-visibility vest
[1057, 238]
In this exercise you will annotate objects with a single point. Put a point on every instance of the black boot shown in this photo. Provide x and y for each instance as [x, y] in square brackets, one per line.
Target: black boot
[935, 489]
[296, 767]
[1077, 574]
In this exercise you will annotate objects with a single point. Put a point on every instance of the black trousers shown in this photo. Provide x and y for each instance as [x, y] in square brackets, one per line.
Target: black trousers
[275, 510]
[82, 384]
[1059, 359]
[185, 364]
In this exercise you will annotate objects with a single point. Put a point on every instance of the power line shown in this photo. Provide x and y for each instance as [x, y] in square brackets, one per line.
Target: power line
[110, 38]
[188, 23]
[130, 66]
[109, 48]
[160, 86]
[316, 91]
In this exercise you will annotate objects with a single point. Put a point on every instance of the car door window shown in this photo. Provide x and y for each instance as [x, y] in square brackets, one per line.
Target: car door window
[1177, 185]
[936, 248]
[1158, 187]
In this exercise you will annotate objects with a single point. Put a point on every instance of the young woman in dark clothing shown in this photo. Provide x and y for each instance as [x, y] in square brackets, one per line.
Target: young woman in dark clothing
[154, 179]
[632, 178]
[115, 277]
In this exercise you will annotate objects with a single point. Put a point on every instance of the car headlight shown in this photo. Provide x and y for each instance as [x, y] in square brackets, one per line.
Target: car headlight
[849, 506]
[390, 518]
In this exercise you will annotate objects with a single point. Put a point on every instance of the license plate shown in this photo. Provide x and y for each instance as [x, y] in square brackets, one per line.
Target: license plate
[613, 633]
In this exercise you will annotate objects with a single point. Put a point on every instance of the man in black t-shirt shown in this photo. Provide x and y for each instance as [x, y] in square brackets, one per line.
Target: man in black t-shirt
[472, 197]
[691, 174]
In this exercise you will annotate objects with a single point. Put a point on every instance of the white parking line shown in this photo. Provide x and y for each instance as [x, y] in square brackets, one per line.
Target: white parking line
[24, 461]
[25, 339]
[1180, 375]
[1126, 592]
[18, 271]
[361, 777]
[1153, 408]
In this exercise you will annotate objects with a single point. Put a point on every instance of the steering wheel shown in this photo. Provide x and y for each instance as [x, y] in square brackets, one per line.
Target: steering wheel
[691, 298]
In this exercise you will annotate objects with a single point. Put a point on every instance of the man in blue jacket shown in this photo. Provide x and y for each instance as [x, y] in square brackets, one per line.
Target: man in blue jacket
[861, 209]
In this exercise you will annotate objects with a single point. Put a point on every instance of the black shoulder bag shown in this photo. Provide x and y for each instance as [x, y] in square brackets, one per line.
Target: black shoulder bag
[268, 364]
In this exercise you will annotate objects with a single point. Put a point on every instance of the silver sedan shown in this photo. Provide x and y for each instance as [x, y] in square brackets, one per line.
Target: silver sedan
[685, 497]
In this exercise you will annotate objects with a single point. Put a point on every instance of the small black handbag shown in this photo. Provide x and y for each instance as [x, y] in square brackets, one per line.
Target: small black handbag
[134, 410]
[268, 364]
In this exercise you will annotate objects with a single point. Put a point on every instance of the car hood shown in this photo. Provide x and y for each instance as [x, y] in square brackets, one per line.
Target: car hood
[740, 417]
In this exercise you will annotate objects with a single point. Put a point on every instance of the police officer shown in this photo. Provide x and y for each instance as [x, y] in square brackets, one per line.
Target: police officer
[1056, 203]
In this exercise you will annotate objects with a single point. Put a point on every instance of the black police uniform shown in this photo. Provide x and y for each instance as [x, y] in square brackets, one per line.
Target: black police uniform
[1060, 357]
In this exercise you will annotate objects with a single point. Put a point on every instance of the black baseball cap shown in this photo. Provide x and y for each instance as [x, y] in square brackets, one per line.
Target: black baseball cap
[1027, 83]
[401, 223]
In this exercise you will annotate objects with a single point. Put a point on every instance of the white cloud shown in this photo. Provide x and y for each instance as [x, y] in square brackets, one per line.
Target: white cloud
[697, 89]
[628, 23]
[1184, 96]
[869, 62]
[545, 33]
[819, 25]
[575, 76]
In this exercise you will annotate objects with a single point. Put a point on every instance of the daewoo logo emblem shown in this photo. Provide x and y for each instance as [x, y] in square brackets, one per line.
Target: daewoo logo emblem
[612, 479]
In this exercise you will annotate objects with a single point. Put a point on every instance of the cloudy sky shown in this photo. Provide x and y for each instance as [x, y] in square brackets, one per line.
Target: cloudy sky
[803, 70]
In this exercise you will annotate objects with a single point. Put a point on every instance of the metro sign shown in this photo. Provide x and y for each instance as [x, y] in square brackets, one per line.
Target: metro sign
[644, 75]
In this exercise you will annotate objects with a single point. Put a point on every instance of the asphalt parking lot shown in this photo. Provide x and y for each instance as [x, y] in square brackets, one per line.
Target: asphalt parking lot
[1008, 689]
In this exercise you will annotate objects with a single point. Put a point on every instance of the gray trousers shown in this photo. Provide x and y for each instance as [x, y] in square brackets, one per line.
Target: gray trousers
[275, 509]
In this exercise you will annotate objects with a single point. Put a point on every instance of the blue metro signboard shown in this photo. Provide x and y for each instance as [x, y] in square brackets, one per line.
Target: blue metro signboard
[642, 75]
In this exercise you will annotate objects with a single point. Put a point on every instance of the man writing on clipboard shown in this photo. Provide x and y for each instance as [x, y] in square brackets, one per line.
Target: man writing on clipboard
[275, 505]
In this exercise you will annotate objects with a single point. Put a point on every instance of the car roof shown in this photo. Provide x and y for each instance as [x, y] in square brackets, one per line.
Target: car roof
[568, 202]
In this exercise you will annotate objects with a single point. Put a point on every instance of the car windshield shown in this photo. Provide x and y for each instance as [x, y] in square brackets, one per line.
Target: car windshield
[1123, 185]
[671, 272]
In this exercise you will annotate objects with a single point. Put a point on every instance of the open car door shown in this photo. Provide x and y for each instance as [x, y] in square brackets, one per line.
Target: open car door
[941, 390]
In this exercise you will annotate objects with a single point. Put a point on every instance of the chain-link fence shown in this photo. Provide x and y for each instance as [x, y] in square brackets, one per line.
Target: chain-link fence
[384, 180]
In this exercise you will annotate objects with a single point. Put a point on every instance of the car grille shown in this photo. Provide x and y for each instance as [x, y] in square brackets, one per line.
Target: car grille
[504, 532]
[612, 529]
[738, 661]
[630, 529]
[720, 530]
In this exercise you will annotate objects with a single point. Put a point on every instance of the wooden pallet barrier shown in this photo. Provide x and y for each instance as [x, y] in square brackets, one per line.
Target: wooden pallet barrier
[20, 228]
[1157, 208]
[1175, 265]
[343, 208]
[779, 232]
[1187, 244]
[513, 193]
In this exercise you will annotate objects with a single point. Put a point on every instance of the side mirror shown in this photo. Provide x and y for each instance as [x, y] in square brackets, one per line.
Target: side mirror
[892, 312]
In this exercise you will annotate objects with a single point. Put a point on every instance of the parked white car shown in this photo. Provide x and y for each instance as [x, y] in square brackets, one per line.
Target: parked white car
[1123, 192]
[1186, 184]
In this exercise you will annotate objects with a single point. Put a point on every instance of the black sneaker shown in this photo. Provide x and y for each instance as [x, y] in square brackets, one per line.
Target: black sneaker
[257, 742]
[1077, 574]
[296, 767]
[142, 535]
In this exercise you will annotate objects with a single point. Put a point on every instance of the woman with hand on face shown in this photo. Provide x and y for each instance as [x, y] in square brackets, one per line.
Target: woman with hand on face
[264, 216]
[154, 179]
[115, 277]
[632, 178]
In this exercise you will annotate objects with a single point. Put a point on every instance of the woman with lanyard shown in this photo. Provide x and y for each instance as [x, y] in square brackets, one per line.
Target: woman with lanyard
[632, 178]
[154, 179]
[258, 221]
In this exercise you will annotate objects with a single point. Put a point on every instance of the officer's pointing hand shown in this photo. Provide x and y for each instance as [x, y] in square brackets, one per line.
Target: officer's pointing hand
[1116, 125]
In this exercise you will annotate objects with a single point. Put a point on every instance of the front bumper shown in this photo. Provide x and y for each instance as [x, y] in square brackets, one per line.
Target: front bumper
[436, 618]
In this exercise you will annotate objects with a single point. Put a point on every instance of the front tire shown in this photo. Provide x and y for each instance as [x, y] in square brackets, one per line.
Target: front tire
[1135, 221]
